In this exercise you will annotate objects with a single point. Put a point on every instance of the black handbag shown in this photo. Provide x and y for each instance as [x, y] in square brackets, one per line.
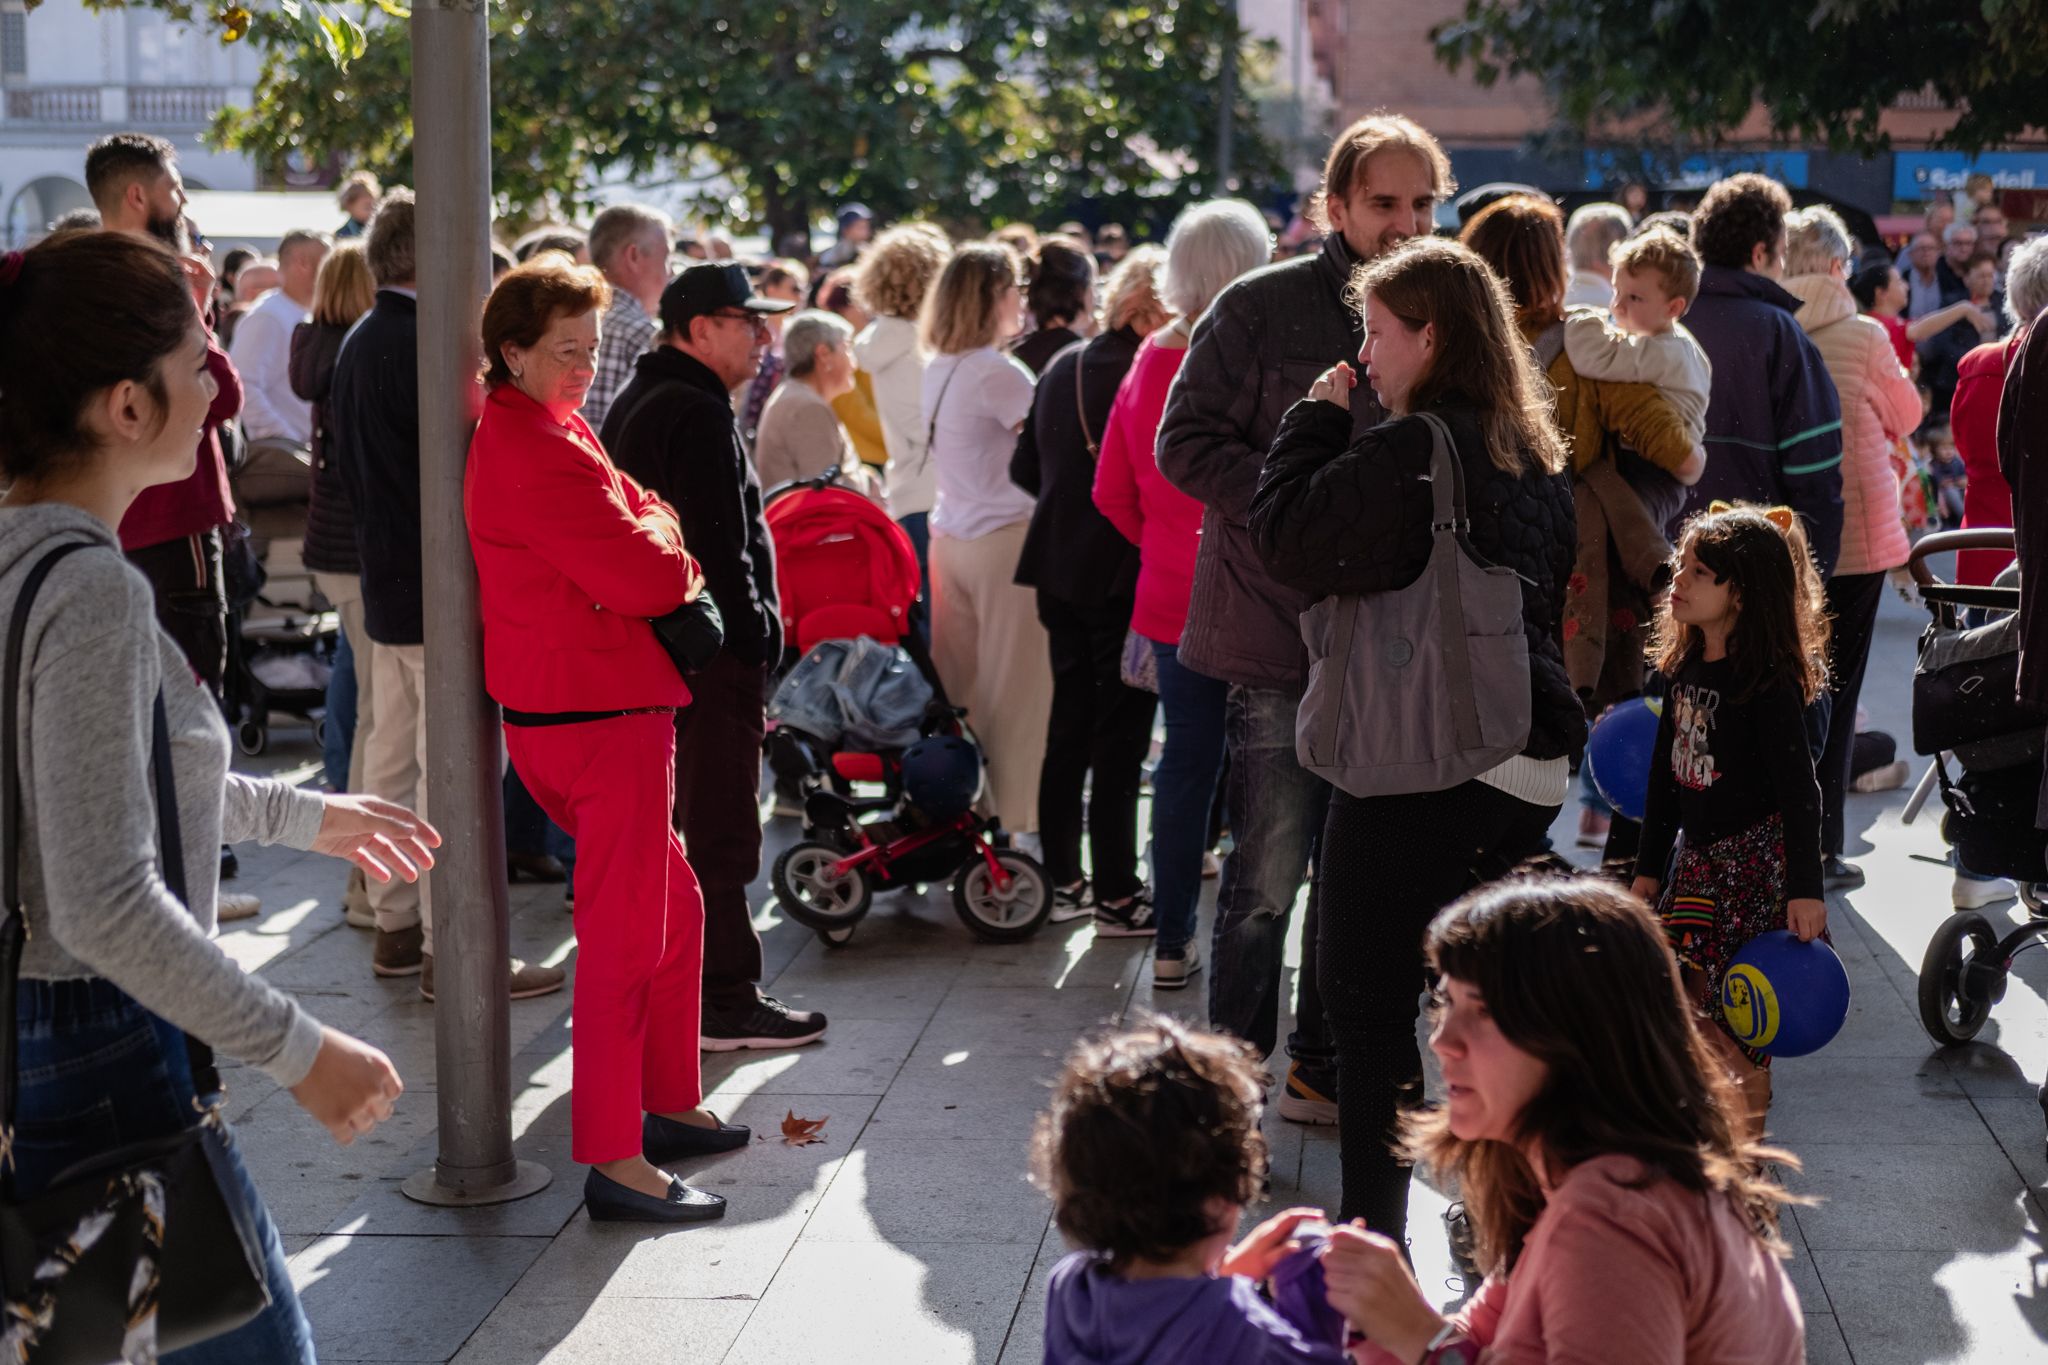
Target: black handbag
[692, 634]
[144, 1249]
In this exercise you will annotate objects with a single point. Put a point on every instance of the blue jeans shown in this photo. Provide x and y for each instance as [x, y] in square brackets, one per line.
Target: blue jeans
[918, 526]
[341, 713]
[1183, 789]
[1276, 822]
[98, 1071]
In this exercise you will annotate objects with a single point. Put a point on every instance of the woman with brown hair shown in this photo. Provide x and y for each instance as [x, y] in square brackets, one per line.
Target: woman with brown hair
[1341, 519]
[573, 559]
[1622, 437]
[1592, 1134]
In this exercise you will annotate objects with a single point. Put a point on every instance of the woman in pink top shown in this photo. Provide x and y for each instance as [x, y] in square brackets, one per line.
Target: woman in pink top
[1593, 1135]
[1209, 246]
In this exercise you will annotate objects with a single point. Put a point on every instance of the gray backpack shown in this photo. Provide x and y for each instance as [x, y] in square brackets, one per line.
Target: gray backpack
[1424, 687]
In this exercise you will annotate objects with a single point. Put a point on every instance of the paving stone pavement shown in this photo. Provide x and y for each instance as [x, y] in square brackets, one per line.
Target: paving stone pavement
[911, 1236]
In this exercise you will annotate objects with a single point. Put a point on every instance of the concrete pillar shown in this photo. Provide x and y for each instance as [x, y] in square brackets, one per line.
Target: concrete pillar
[451, 101]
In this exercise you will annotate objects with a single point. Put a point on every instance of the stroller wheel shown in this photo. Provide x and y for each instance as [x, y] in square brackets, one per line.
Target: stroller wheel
[253, 737]
[836, 938]
[1003, 914]
[1960, 980]
[814, 893]
[320, 731]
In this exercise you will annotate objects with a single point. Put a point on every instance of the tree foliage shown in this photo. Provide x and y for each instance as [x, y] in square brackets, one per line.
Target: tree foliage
[1824, 71]
[959, 108]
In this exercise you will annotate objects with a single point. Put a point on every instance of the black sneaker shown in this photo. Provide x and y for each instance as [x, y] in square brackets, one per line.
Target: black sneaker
[1072, 902]
[767, 1023]
[1132, 919]
[1836, 875]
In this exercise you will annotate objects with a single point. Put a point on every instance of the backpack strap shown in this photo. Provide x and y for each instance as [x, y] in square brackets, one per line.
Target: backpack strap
[1447, 486]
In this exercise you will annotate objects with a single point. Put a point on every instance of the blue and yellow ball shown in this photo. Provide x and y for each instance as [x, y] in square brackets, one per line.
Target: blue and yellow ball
[1785, 998]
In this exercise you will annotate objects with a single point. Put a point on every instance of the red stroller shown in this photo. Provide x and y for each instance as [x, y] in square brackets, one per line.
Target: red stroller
[845, 569]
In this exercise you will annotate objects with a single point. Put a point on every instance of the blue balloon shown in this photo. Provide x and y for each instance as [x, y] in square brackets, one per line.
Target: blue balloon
[1618, 753]
[1783, 997]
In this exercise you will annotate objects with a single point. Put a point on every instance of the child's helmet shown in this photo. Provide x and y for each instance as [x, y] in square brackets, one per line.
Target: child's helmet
[942, 775]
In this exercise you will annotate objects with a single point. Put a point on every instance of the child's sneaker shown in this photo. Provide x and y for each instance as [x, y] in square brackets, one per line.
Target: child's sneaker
[1072, 902]
[1170, 971]
[1132, 919]
[1888, 777]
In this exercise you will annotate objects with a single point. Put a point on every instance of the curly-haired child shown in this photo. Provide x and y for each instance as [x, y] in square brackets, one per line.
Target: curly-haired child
[1151, 1150]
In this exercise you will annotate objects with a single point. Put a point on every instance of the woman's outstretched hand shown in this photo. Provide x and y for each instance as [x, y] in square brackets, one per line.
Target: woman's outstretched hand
[1372, 1286]
[351, 1088]
[1335, 385]
[381, 837]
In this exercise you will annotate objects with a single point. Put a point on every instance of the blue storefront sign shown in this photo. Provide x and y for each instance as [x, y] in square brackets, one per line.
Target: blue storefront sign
[1923, 175]
[1604, 168]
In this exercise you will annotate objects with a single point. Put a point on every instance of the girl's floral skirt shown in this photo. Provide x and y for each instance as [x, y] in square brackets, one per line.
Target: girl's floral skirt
[1719, 897]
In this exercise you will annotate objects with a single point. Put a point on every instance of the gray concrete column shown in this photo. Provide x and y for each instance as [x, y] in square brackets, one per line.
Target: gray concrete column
[451, 101]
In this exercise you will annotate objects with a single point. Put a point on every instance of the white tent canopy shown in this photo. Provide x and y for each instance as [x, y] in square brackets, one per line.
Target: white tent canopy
[260, 218]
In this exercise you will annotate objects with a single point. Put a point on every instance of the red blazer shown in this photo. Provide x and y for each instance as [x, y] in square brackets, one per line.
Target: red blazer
[572, 558]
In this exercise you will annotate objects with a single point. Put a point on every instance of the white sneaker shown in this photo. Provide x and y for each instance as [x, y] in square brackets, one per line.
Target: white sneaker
[1172, 973]
[1974, 893]
[1212, 866]
[1889, 777]
[234, 905]
[1072, 903]
[1030, 845]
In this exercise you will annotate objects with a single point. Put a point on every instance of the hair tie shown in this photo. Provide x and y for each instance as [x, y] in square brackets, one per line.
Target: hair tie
[10, 268]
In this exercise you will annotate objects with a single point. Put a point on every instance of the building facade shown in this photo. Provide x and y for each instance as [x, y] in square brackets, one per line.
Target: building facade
[69, 75]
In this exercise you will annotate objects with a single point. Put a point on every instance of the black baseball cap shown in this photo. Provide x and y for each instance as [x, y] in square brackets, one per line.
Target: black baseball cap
[707, 286]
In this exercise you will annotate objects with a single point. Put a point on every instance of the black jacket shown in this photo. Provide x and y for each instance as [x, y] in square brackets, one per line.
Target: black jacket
[376, 441]
[1328, 520]
[1071, 550]
[1253, 355]
[1036, 349]
[672, 428]
[330, 516]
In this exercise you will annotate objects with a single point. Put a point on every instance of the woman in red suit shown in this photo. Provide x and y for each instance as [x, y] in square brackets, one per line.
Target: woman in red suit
[572, 559]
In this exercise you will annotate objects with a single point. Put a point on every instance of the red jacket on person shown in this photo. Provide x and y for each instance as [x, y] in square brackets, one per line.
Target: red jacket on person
[202, 499]
[1973, 423]
[572, 559]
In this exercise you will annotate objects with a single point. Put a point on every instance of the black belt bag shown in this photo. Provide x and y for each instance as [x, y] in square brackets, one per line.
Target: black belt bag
[149, 1247]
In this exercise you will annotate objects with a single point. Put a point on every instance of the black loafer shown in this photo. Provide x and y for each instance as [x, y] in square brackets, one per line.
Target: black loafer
[607, 1201]
[665, 1140]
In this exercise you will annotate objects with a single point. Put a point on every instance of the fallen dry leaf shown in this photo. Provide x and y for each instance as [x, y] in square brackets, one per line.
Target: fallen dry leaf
[802, 1132]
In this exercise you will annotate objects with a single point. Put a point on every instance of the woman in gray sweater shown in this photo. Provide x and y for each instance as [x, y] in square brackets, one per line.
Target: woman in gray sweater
[106, 390]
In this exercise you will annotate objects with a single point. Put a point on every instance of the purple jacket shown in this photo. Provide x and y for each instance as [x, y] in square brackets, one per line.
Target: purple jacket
[1095, 1318]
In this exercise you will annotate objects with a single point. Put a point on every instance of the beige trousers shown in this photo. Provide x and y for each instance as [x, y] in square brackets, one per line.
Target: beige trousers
[395, 768]
[344, 592]
[991, 654]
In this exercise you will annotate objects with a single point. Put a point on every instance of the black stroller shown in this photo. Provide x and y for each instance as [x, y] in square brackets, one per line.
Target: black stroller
[1965, 709]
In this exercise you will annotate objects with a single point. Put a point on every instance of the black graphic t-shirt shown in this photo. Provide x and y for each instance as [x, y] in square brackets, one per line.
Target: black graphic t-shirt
[1722, 766]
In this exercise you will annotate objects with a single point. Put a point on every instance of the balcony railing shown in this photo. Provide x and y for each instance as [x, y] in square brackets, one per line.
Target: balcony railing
[148, 106]
[176, 106]
[54, 104]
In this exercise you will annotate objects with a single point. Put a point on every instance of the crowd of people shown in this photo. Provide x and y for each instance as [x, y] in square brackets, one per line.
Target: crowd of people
[1371, 530]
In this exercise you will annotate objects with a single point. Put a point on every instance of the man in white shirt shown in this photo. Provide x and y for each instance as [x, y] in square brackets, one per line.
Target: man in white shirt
[262, 350]
[630, 244]
[1589, 235]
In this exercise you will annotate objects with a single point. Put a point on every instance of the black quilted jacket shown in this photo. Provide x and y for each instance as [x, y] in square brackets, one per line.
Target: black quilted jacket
[1334, 521]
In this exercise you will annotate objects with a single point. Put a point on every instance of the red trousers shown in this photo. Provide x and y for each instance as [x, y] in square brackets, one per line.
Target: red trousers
[639, 922]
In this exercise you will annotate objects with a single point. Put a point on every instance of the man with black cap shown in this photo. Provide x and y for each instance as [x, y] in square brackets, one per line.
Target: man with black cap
[672, 428]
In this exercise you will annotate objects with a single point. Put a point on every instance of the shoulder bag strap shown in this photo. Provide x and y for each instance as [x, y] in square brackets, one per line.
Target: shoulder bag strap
[14, 932]
[1447, 487]
[1081, 399]
[931, 431]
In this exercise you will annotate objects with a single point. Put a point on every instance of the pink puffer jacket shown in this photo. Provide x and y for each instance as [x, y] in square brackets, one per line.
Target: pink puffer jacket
[1879, 405]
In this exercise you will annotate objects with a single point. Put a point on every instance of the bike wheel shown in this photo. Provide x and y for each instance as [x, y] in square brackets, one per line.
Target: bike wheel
[1008, 913]
[817, 895]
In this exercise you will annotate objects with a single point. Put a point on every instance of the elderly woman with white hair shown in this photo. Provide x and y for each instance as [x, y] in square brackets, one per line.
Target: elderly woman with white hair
[1210, 245]
[1973, 414]
[1879, 405]
[800, 436]
[1590, 234]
